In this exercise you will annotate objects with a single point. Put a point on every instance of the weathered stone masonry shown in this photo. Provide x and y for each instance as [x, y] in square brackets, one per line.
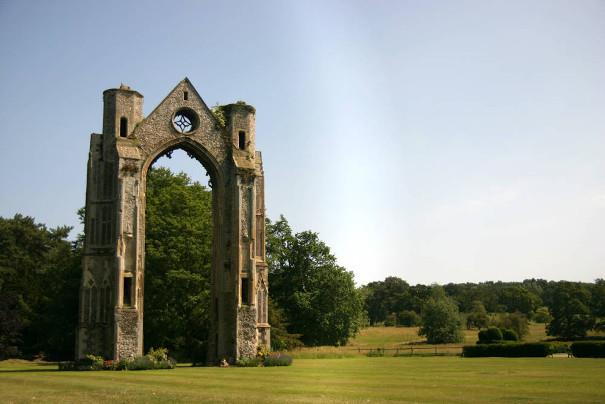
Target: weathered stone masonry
[112, 288]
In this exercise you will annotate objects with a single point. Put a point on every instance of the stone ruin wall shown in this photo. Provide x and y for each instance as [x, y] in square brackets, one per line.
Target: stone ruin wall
[115, 223]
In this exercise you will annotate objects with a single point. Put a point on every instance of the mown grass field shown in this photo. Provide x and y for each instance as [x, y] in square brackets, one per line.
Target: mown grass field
[399, 337]
[360, 379]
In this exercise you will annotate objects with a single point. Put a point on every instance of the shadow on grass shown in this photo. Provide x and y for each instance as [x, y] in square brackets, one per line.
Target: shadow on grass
[27, 370]
[41, 366]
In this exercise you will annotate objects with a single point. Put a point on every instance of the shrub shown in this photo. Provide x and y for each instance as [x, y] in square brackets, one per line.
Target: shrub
[509, 335]
[513, 321]
[390, 320]
[262, 352]
[122, 364]
[588, 349]
[91, 362]
[158, 355]
[248, 362]
[155, 359]
[374, 353]
[277, 359]
[527, 350]
[168, 363]
[492, 335]
[408, 318]
[140, 363]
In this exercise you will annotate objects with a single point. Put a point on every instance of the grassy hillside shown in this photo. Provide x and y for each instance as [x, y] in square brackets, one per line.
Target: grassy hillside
[431, 379]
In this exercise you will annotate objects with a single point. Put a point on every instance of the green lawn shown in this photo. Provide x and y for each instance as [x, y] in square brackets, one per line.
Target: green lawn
[402, 338]
[392, 337]
[416, 379]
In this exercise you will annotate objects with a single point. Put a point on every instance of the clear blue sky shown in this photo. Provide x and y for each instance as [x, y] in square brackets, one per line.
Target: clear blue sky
[432, 140]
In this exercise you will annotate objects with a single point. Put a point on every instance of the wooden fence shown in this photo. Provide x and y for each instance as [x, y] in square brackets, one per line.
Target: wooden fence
[412, 350]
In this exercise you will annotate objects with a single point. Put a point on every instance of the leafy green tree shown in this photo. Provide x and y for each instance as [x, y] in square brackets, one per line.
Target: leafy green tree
[513, 321]
[178, 260]
[39, 284]
[281, 339]
[477, 317]
[516, 298]
[419, 295]
[317, 295]
[570, 311]
[542, 315]
[386, 298]
[408, 318]
[597, 305]
[440, 319]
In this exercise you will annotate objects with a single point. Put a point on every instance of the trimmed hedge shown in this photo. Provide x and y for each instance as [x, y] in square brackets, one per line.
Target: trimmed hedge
[529, 350]
[509, 335]
[495, 335]
[588, 349]
[491, 335]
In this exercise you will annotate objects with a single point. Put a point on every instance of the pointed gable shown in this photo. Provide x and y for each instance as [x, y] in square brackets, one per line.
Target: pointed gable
[158, 127]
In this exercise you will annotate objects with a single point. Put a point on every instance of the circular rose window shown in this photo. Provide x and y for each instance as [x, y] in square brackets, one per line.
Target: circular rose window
[185, 120]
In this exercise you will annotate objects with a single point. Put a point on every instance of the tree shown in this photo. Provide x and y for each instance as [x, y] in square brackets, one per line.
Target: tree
[513, 321]
[178, 259]
[281, 339]
[570, 311]
[39, 283]
[440, 319]
[477, 317]
[542, 315]
[317, 295]
[384, 298]
[408, 318]
[518, 298]
[598, 304]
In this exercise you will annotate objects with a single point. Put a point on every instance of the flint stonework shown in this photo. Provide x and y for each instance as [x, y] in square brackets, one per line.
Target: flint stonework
[112, 287]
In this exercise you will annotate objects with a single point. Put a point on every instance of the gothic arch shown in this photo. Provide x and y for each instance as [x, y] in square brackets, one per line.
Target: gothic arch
[119, 160]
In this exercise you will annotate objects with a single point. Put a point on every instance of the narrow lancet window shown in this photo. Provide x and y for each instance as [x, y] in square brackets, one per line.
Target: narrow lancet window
[242, 140]
[127, 301]
[123, 127]
[245, 292]
[186, 95]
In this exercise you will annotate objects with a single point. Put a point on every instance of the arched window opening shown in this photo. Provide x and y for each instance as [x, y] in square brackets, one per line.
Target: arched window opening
[245, 291]
[179, 238]
[123, 127]
[242, 140]
[127, 296]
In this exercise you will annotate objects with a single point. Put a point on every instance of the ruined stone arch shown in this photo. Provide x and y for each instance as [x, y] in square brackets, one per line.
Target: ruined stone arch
[114, 247]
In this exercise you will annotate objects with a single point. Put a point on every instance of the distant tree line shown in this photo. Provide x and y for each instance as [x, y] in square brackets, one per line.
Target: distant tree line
[313, 300]
[570, 309]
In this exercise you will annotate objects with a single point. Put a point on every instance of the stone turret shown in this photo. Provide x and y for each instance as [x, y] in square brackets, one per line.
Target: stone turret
[122, 111]
[241, 126]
